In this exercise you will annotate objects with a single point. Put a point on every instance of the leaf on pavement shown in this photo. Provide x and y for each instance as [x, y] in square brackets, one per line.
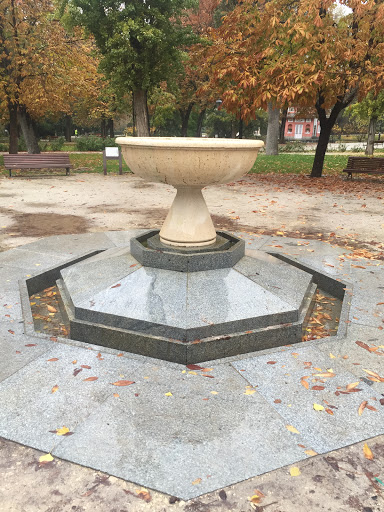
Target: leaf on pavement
[123, 382]
[318, 407]
[292, 429]
[362, 406]
[46, 458]
[51, 309]
[367, 452]
[54, 389]
[295, 471]
[90, 379]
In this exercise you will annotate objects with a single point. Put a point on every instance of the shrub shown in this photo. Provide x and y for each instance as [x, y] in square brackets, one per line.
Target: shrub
[4, 147]
[292, 147]
[22, 144]
[57, 144]
[93, 143]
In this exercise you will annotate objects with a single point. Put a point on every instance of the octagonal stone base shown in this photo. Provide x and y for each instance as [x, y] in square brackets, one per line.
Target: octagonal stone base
[185, 317]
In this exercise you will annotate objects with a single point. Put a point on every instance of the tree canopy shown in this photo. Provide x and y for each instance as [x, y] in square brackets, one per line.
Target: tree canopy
[300, 53]
[141, 43]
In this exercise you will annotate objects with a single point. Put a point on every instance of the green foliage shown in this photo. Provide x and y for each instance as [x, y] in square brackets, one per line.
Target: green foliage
[4, 147]
[292, 147]
[93, 143]
[140, 42]
[57, 144]
[22, 144]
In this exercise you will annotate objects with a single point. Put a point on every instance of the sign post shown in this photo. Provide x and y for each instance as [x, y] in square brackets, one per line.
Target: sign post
[112, 154]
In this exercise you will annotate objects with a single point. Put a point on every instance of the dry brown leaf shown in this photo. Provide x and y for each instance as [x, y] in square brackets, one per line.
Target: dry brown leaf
[90, 379]
[123, 383]
[352, 385]
[51, 309]
[54, 389]
[362, 406]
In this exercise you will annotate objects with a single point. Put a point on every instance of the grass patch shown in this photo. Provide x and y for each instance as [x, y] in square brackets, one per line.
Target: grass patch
[297, 164]
[265, 164]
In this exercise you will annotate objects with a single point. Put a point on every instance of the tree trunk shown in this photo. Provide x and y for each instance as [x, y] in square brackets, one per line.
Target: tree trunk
[200, 120]
[141, 116]
[111, 129]
[28, 129]
[68, 127]
[371, 136]
[282, 126]
[13, 128]
[321, 148]
[271, 146]
[185, 114]
[103, 128]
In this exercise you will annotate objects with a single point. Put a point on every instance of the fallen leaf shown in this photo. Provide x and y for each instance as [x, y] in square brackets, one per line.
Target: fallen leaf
[329, 411]
[295, 471]
[116, 395]
[318, 407]
[62, 431]
[90, 379]
[317, 388]
[249, 391]
[46, 458]
[54, 389]
[254, 499]
[352, 385]
[168, 394]
[144, 495]
[367, 452]
[197, 481]
[116, 285]
[311, 453]
[292, 429]
[123, 383]
[11, 332]
[51, 309]
[53, 359]
[86, 366]
[362, 406]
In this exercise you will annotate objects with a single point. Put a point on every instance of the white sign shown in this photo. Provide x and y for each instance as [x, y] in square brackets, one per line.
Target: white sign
[114, 152]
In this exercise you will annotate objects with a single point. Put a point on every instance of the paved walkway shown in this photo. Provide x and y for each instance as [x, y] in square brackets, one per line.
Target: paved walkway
[175, 431]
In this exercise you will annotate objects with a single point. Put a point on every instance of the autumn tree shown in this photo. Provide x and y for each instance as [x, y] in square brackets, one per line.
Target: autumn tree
[370, 109]
[140, 43]
[298, 52]
[42, 67]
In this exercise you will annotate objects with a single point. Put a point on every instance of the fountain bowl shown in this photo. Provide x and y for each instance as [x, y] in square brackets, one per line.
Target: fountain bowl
[189, 164]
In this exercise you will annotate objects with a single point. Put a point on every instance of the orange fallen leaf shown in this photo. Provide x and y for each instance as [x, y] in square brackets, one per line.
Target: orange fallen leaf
[362, 406]
[197, 481]
[54, 389]
[123, 383]
[367, 452]
[51, 309]
[352, 385]
[53, 359]
[90, 379]
[311, 453]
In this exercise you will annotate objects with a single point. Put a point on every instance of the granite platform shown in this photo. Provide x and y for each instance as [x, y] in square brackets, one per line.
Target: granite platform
[186, 431]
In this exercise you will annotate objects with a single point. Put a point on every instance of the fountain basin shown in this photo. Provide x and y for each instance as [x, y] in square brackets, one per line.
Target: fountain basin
[189, 164]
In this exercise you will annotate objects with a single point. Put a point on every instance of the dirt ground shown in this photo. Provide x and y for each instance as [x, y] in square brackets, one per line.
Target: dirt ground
[331, 209]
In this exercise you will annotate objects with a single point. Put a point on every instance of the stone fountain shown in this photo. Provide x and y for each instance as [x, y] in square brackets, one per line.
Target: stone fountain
[187, 293]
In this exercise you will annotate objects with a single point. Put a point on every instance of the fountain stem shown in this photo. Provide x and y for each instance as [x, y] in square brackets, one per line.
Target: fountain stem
[188, 222]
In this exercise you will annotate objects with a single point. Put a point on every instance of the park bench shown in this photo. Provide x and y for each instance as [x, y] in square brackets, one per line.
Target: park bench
[41, 161]
[364, 164]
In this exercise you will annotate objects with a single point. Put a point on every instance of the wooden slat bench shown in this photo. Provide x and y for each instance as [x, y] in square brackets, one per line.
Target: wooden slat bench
[364, 164]
[42, 161]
